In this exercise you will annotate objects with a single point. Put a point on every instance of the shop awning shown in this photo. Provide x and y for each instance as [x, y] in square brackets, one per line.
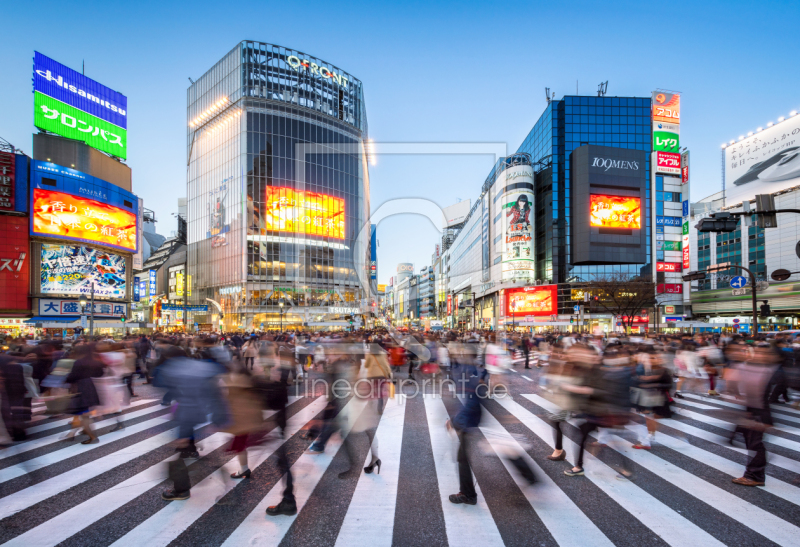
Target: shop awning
[52, 319]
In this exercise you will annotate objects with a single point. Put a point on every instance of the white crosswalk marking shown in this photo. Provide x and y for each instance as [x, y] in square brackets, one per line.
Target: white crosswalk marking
[777, 411]
[257, 528]
[370, 519]
[568, 524]
[671, 526]
[60, 423]
[462, 521]
[370, 515]
[167, 524]
[722, 424]
[777, 426]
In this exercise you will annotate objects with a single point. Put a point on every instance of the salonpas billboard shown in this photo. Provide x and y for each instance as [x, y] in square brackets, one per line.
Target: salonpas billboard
[764, 163]
[516, 220]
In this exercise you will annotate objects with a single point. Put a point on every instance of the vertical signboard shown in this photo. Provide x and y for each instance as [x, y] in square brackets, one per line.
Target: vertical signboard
[152, 291]
[7, 180]
[685, 167]
[136, 289]
[685, 244]
[373, 252]
[516, 220]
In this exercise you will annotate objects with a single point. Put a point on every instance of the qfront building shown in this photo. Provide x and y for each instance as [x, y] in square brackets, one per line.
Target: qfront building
[278, 192]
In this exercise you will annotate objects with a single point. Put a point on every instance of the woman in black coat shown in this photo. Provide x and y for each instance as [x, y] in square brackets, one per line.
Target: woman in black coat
[85, 397]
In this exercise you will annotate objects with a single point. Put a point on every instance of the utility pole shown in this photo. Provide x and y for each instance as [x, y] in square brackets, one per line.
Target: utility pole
[91, 313]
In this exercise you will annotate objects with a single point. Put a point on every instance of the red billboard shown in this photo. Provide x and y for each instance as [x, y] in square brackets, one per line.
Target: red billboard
[537, 301]
[67, 216]
[669, 288]
[7, 181]
[668, 163]
[14, 265]
[668, 267]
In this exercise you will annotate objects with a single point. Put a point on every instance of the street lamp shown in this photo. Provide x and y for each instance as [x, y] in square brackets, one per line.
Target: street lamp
[280, 305]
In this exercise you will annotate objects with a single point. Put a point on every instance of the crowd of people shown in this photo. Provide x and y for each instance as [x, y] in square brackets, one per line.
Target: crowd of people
[240, 383]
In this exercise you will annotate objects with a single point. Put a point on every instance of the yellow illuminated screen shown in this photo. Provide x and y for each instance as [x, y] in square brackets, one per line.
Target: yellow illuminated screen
[66, 216]
[304, 212]
[615, 212]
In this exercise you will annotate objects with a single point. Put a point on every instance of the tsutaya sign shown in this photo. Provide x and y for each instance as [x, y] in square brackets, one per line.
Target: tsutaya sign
[343, 310]
[296, 63]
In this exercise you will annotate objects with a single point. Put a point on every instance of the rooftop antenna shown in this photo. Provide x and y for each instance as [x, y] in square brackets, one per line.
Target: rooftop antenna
[602, 89]
[83, 67]
[190, 80]
[547, 94]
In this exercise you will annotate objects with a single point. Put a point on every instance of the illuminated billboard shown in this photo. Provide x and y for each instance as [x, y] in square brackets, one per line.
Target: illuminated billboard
[73, 269]
[763, 163]
[668, 163]
[615, 212]
[666, 107]
[303, 212]
[537, 301]
[69, 104]
[66, 216]
[516, 222]
[668, 267]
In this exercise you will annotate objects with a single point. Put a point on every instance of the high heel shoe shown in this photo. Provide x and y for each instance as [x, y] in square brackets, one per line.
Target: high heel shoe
[243, 475]
[368, 469]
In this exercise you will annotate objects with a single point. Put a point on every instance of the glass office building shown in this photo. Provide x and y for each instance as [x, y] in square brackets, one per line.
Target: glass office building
[278, 191]
[566, 124]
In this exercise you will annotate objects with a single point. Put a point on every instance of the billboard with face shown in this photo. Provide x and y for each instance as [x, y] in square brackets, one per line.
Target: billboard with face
[764, 163]
[516, 220]
[537, 301]
[73, 269]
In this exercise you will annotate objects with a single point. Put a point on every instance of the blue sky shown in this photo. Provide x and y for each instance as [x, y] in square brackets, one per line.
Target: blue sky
[432, 72]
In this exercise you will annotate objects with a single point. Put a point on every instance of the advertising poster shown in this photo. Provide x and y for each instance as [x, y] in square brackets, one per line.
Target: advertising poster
[14, 264]
[66, 216]
[302, 212]
[668, 163]
[516, 220]
[668, 267]
[73, 269]
[71, 105]
[537, 301]
[615, 212]
[218, 214]
[136, 289]
[764, 163]
[666, 107]
[665, 141]
[67, 121]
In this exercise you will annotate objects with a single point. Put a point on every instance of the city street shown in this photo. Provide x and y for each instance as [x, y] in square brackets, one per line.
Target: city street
[55, 491]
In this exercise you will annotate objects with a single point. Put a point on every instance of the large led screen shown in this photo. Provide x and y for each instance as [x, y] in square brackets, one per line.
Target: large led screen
[615, 212]
[66, 216]
[303, 212]
[72, 269]
[541, 300]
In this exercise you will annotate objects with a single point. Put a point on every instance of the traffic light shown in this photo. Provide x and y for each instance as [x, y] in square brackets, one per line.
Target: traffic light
[720, 222]
[571, 319]
[123, 318]
[765, 311]
[764, 204]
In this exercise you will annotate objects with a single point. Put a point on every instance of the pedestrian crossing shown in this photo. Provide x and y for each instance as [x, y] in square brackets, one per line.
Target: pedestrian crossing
[54, 491]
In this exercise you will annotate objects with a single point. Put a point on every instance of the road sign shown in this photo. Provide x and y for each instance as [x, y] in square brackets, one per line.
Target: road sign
[83, 321]
[738, 281]
[736, 320]
[576, 308]
[739, 292]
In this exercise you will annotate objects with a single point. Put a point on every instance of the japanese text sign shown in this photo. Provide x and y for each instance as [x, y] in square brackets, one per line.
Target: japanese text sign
[615, 212]
[7, 181]
[72, 270]
[537, 301]
[668, 267]
[668, 163]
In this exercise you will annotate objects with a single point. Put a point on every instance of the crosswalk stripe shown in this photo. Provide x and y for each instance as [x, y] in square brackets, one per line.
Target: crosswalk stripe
[172, 520]
[779, 441]
[72, 521]
[63, 422]
[56, 437]
[774, 486]
[775, 412]
[529, 379]
[39, 492]
[748, 514]
[780, 427]
[370, 516]
[566, 522]
[473, 522]
[76, 448]
[257, 528]
[671, 526]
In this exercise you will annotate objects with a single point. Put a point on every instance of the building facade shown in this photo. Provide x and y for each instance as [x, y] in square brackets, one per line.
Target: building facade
[278, 190]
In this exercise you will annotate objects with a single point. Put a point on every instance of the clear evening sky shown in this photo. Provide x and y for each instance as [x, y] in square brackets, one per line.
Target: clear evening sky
[432, 72]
